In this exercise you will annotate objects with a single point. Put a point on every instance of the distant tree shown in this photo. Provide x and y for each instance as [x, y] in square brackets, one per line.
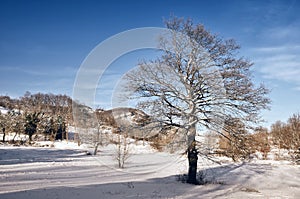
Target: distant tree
[56, 106]
[60, 128]
[11, 122]
[48, 127]
[100, 119]
[31, 123]
[287, 135]
[235, 140]
[42, 107]
[16, 124]
[199, 81]
[277, 133]
[294, 131]
[7, 102]
[261, 141]
[3, 125]
[122, 145]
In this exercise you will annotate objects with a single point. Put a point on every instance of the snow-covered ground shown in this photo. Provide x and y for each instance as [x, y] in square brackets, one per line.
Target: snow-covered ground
[65, 171]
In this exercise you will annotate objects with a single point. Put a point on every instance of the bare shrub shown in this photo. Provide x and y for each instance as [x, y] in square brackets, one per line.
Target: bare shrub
[122, 147]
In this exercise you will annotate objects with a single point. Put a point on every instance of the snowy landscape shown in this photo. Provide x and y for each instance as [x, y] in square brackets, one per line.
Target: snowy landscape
[149, 99]
[66, 171]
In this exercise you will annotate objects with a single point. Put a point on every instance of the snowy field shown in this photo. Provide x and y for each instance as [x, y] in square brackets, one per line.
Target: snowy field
[65, 171]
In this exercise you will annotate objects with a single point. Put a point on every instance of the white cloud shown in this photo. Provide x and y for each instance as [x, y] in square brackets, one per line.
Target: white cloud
[279, 63]
[21, 69]
[55, 71]
[287, 32]
[277, 49]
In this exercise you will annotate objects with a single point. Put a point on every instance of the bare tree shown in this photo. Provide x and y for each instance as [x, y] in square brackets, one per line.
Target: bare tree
[47, 127]
[287, 135]
[260, 141]
[16, 124]
[199, 81]
[294, 131]
[98, 124]
[3, 125]
[235, 142]
[122, 146]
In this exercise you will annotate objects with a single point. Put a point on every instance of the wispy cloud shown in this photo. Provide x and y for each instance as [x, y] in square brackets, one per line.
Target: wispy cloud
[20, 69]
[289, 32]
[37, 79]
[56, 71]
[279, 63]
[277, 49]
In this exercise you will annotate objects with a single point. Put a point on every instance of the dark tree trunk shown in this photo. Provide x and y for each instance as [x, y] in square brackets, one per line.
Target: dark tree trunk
[193, 159]
[3, 138]
[30, 137]
[14, 137]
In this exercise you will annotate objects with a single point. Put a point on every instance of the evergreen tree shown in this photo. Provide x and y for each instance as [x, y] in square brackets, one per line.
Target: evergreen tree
[31, 123]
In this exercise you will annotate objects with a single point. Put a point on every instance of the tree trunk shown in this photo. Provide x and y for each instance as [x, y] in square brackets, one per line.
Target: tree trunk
[193, 159]
[13, 140]
[30, 137]
[192, 154]
[3, 138]
[96, 148]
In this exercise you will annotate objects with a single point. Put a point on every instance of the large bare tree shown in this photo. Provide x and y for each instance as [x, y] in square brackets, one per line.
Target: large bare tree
[199, 81]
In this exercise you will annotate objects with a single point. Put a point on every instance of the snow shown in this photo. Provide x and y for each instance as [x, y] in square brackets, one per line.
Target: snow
[63, 170]
[3, 110]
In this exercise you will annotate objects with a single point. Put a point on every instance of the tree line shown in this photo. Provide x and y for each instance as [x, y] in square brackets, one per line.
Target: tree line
[36, 114]
[240, 144]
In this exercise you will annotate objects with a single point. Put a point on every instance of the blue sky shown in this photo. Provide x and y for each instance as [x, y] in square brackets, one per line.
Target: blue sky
[43, 43]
